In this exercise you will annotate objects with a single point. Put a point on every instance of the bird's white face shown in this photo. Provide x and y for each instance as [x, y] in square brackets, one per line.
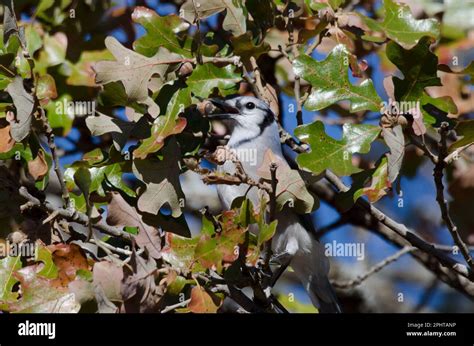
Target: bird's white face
[245, 113]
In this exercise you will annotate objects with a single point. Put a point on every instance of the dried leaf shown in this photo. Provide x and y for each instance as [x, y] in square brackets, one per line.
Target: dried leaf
[24, 104]
[139, 291]
[119, 212]
[201, 301]
[379, 184]
[38, 167]
[6, 141]
[68, 258]
[234, 20]
[133, 70]
[291, 188]
[39, 295]
[109, 277]
[396, 142]
[418, 125]
[162, 183]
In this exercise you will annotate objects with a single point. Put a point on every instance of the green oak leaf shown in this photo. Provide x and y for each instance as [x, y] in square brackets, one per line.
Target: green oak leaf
[53, 52]
[401, 26]
[162, 31]
[46, 88]
[49, 270]
[419, 67]
[8, 266]
[317, 5]
[110, 171]
[329, 153]
[33, 38]
[330, 82]
[266, 231]
[207, 253]
[94, 157]
[165, 125]
[465, 129]
[208, 76]
[60, 118]
[220, 249]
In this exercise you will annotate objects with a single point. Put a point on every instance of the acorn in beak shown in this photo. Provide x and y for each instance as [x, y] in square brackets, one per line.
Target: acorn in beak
[228, 111]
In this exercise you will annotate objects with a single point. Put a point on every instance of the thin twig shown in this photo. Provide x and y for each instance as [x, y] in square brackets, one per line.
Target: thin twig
[403, 231]
[272, 211]
[450, 248]
[422, 145]
[376, 268]
[175, 306]
[57, 168]
[71, 214]
[220, 155]
[297, 84]
[359, 215]
[443, 203]
[110, 247]
[286, 138]
[455, 154]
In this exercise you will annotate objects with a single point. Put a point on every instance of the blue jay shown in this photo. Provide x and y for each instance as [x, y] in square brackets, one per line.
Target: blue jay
[254, 129]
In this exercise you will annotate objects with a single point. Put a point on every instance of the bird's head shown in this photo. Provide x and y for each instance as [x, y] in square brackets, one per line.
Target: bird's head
[243, 112]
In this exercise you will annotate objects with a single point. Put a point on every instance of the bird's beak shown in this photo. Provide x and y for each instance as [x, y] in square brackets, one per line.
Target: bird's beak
[228, 111]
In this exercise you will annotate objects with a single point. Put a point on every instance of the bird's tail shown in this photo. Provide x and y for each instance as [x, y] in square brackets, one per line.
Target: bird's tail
[312, 269]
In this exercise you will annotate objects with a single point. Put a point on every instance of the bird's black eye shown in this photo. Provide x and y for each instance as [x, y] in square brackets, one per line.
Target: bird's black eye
[250, 105]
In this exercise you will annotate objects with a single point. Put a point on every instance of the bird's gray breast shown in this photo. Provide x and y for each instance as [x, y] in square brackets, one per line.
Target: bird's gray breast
[251, 154]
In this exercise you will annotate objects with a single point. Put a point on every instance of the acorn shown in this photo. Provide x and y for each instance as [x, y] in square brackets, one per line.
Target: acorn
[16, 237]
[186, 69]
[205, 107]
[402, 120]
